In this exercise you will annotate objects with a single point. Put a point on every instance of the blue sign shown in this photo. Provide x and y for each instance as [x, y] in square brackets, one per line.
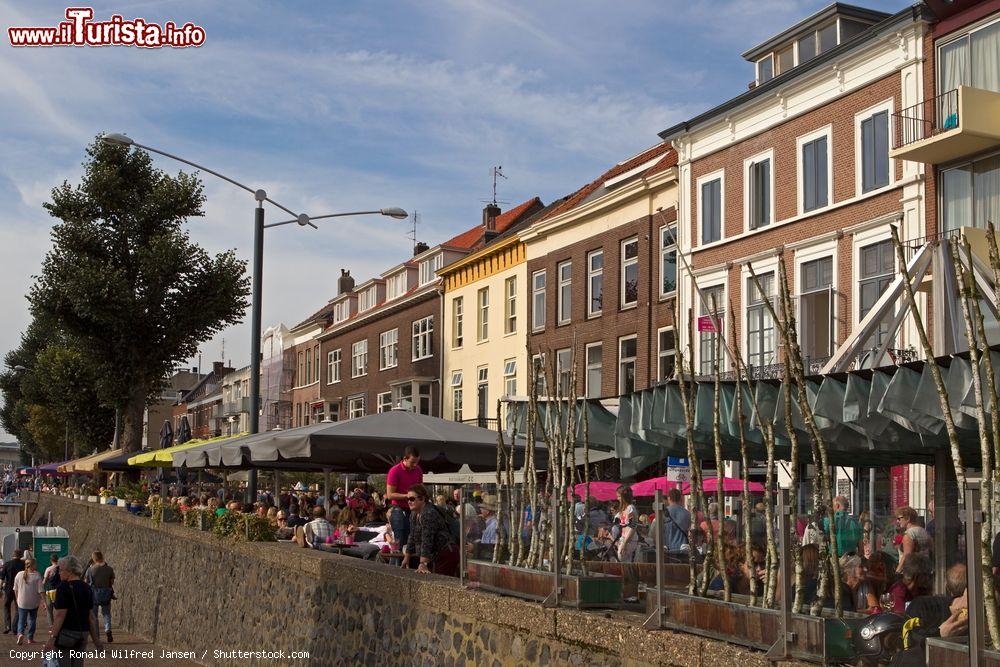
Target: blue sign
[677, 462]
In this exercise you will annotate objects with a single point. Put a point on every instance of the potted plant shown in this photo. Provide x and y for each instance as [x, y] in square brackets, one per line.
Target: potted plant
[105, 494]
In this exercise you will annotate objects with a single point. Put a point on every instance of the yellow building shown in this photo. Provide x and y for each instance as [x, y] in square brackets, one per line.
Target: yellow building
[485, 319]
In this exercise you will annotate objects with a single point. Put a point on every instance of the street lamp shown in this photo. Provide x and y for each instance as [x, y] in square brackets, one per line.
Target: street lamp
[302, 219]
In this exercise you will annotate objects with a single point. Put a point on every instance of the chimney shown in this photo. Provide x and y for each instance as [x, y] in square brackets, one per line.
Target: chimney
[218, 367]
[194, 370]
[490, 213]
[345, 283]
[420, 247]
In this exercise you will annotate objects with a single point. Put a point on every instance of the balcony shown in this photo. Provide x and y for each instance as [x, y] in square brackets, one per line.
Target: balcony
[236, 407]
[955, 124]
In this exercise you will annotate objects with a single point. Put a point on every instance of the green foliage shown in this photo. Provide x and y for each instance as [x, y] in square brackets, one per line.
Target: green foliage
[124, 281]
[196, 518]
[244, 527]
[131, 492]
[228, 524]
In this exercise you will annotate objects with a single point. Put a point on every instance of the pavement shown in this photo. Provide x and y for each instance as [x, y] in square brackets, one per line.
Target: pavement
[126, 651]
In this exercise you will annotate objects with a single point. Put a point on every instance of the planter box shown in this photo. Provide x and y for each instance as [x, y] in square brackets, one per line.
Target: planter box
[93, 499]
[104, 501]
[819, 638]
[581, 591]
[955, 653]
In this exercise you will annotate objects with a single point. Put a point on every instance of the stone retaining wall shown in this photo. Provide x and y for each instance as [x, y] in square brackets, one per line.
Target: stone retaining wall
[189, 590]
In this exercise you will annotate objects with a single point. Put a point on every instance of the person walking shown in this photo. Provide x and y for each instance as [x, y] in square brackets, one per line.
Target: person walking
[10, 570]
[50, 581]
[74, 616]
[28, 593]
[848, 528]
[101, 578]
[401, 478]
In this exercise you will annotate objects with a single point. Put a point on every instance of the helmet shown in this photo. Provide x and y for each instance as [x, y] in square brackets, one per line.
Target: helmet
[879, 636]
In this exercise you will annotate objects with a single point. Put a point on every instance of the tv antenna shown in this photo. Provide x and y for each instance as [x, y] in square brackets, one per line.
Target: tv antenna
[412, 234]
[497, 172]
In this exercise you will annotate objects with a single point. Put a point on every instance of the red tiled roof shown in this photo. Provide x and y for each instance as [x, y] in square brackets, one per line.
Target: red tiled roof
[664, 149]
[468, 239]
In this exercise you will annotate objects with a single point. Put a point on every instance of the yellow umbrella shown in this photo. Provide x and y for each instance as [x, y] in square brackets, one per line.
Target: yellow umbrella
[71, 466]
[90, 463]
[163, 458]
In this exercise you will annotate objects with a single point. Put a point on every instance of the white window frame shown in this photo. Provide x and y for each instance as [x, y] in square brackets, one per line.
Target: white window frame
[535, 291]
[805, 255]
[767, 155]
[388, 349]
[707, 282]
[333, 366]
[889, 107]
[660, 352]
[368, 299]
[591, 274]
[622, 304]
[359, 358]
[510, 306]
[965, 33]
[351, 406]
[800, 141]
[719, 175]
[457, 322]
[861, 240]
[564, 284]
[769, 56]
[457, 403]
[395, 285]
[510, 376]
[589, 366]
[382, 404]
[429, 267]
[621, 361]
[564, 369]
[483, 315]
[423, 338]
[664, 249]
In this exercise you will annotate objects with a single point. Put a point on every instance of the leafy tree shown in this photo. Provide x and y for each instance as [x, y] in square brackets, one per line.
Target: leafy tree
[124, 281]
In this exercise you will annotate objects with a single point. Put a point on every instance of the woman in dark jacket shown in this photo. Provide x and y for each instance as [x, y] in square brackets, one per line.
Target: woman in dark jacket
[74, 615]
[430, 536]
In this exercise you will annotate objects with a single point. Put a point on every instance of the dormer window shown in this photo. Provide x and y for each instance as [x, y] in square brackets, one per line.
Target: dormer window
[765, 69]
[368, 299]
[429, 267]
[395, 285]
[341, 311]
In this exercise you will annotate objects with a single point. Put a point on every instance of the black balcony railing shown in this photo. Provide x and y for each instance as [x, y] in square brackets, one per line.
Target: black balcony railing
[926, 119]
[482, 422]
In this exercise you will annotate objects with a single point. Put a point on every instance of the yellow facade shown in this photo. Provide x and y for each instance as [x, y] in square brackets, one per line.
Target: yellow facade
[475, 364]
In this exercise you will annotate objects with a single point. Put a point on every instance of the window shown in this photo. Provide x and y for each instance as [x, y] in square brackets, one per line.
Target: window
[456, 402]
[564, 371]
[510, 306]
[668, 260]
[355, 407]
[827, 37]
[665, 354]
[333, 367]
[423, 338]
[538, 300]
[765, 69]
[429, 267]
[395, 285]
[816, 309]
[815, 174]
[758, 193]
[456, 378]
[300, 377]
[309, 367]
[482, 393]
[424, 398]
[359, 359]
[510, 377]
[595, 283]
[711, 210]
[384, 401]
[630, 272]
[707, 338]
[388, 349]
[760, 324]
[456, 318]
[875, 151]
[807, 47]
[538, 368]
[402, 396]
[316, 369]
[785, 59]
[626, 365]
[341, 311]
[971, 60]
[593, 380]
[483, 301]
[878, 264]
[367, 299]
[970, 194]
[564, 297]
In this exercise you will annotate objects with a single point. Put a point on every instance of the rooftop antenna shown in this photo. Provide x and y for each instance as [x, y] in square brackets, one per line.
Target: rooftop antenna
[223, 355]
[497, 171]
[412, 234]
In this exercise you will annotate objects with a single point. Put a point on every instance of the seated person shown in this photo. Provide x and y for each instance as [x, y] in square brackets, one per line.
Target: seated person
[935, 616]
[283, 531]
[914, 581]
[483, 547]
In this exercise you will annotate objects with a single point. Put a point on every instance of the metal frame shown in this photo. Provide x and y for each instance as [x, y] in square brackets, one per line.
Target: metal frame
[974, 586]
[655, 620]
[779, 650]
[553, 598]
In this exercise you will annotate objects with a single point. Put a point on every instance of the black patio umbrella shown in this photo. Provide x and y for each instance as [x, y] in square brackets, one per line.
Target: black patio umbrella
[183, 431]
[166, 435]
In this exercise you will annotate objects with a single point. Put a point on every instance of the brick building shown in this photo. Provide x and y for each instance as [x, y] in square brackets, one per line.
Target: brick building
[203, 405]
[302, 371]
[601, 275]
[382, 349]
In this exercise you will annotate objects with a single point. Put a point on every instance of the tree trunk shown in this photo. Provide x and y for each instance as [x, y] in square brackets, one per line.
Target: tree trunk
[132, 418]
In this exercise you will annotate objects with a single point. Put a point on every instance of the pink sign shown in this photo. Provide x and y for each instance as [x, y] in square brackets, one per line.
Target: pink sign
[899, 486]
[706, 323]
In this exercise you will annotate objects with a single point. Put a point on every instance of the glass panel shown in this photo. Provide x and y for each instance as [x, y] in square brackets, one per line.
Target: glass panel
[956, 197]
[594, 354]
[986, 58]
[807, 48]
[849, 29]
[669, 272]
[953, 65]
[986, 189]
[765, 69]
[786, 60]
[827, 37]
[808, 177]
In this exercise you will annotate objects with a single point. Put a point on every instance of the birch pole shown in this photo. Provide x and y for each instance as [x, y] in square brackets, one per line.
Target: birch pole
[745, 470]
[720, 552]
[504, 510]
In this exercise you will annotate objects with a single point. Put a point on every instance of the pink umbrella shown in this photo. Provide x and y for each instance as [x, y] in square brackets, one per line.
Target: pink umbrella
[649, 486]
[729, 485]
[598, 490]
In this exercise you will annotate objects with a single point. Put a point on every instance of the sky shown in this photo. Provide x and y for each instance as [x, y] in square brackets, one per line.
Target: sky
[342, 106]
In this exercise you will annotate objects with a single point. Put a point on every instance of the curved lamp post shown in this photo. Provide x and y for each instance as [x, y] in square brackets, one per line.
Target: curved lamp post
[301, 219]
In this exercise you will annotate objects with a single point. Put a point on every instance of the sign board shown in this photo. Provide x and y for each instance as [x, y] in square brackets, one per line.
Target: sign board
[706, 323]
[677, 462]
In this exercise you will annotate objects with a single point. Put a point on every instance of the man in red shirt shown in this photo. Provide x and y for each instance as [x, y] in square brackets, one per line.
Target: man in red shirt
[401, 477]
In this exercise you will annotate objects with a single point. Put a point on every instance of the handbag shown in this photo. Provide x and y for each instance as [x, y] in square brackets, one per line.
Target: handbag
[67, 639]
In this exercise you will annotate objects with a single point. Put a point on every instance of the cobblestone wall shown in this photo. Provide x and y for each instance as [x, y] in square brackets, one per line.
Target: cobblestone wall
[189, 590]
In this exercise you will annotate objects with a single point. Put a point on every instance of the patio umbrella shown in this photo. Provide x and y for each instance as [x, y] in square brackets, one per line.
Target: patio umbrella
[183, 431]
[650, 486]
[52, 469]
[370, 444]
[598, 490]
[729, 485]
[166, 434]
[117, 463]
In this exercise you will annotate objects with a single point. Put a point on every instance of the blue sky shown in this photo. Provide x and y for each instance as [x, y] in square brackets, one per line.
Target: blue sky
[335, 106]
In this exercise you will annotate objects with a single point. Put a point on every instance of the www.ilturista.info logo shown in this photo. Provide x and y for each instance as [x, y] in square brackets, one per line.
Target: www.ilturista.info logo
[80, 30]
